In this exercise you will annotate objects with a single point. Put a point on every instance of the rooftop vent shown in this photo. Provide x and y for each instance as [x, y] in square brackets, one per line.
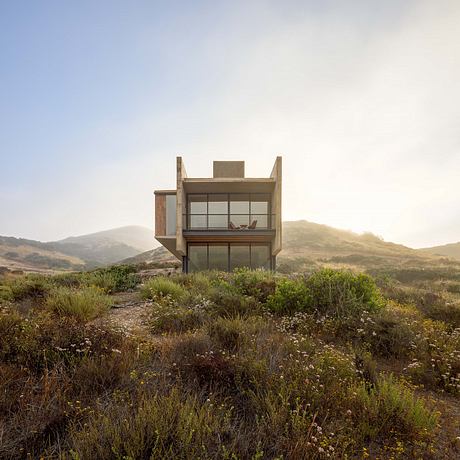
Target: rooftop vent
[228, 169]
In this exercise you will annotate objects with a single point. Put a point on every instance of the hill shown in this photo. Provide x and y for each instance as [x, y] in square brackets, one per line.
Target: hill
[447, 250]
[76, 252]
[108, 246]
[306, 243]
[31, 255]
[159, 255]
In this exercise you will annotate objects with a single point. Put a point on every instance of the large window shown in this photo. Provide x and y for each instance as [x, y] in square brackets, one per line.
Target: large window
[240, 256]
[260, 256]
[197, 258]
[218, 257]
[234, 211]
[170, 214]
[228, 256]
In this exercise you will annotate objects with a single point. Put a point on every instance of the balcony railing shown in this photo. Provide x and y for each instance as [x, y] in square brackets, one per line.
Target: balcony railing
[232, 222]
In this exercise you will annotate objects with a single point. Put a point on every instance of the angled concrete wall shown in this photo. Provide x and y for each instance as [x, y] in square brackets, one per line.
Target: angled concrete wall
[276, 205]
[181, 245]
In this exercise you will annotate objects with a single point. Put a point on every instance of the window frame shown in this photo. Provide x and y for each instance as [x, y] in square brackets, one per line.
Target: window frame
[250, 215]
[228, 245]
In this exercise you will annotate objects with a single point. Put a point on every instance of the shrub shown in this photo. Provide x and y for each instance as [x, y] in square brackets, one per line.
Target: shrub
[342, 293]
[161, 287]
[290, 296]
[160, 426]
[388, 408]
[438, 308]
[114, 279]
[111, 279]
[85, 303]
[259, 284]
[231, 333]
[195, 283]
[229, 303]
[390, 332]
[169, 317]
[31, 286]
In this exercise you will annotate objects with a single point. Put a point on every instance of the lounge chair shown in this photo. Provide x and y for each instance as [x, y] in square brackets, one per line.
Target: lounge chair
[232, 226]
[253, 225]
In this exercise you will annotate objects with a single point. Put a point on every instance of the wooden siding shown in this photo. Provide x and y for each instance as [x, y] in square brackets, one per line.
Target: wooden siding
[160, 215]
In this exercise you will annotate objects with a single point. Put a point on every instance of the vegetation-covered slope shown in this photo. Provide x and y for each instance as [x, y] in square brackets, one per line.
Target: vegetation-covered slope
[75, 253]
[244, 365]
[448, 250]
[30, 255]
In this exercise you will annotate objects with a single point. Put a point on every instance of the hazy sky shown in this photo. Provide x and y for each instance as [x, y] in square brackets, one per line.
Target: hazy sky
[362, 99]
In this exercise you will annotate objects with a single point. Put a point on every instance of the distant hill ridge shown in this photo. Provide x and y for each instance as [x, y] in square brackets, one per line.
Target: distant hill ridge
[136, 244]
[308, 240]
[448, 250]
[75, 252]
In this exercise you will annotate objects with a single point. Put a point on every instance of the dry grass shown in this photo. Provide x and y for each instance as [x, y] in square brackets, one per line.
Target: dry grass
[225, 379]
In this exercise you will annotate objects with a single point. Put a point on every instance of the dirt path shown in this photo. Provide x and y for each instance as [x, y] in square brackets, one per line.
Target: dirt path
[129, 313]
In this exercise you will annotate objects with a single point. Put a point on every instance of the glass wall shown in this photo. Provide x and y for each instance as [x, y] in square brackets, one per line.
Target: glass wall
[170, 214]
[228, 256]
[218, 257]
[197, 258]
[240, 256]
[217, 211]
[260, 256]
[234, 211]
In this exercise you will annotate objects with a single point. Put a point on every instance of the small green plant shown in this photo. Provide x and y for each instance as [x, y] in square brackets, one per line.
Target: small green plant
[85, 303]
[161, 287]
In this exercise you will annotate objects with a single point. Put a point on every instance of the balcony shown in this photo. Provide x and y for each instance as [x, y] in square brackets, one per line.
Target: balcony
[233, 212]
[228, 222]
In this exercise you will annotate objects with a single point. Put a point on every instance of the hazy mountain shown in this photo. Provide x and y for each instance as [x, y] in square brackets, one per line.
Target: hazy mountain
[31, 255]
[108, 246]
[76, 252]
[447, 250]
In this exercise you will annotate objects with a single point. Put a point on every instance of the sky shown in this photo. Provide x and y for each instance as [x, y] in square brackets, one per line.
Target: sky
[361, 98]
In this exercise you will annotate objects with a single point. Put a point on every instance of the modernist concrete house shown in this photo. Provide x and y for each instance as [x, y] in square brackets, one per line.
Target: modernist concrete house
[223, 222]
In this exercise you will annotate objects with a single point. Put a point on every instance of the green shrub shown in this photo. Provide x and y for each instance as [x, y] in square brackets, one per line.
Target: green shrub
[440, 309]
[161, 287]
[111, 279]
[391, 332]
[30, 286]
[388, 408]
[341, 293]
[195, 283]
[227, 302]
[160, 426]
[85, 303]
[167, 317]
[290, 296]
[259, 284]
[231, 333]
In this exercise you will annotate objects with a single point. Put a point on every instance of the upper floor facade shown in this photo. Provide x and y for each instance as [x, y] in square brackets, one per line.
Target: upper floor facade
[224, 221]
